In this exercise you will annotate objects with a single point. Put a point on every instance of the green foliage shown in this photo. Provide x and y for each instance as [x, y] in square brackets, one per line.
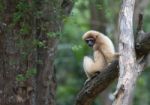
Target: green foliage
[69, 57]
[147, 19]
[41, 44]
[141, 94]
[1, 5]
[20, 77]
[25, 29]
[17, 16]
[23, 6]
[38, 43]
[53, 34]
[79, 51]
[22, 10]
[71, 50]
[29, 73]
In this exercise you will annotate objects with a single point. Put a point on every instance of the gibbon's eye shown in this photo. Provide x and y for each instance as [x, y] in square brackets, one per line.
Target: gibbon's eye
[90, 42]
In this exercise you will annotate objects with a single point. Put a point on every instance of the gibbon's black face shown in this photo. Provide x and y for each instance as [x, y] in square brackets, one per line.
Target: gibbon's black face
[90, 42]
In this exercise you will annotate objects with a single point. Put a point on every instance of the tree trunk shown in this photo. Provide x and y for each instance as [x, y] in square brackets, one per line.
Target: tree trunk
[29, 33]
[129, 67]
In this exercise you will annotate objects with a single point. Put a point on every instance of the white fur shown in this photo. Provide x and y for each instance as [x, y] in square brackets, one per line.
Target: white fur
[87, 63]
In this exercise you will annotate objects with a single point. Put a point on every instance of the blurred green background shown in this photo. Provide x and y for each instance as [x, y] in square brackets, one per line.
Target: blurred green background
[100, 15]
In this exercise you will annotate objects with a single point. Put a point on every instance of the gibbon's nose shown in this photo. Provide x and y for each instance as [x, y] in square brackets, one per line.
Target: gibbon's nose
[90, 43]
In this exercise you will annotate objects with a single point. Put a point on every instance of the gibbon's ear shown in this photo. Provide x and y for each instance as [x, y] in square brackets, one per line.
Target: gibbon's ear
[90, 42]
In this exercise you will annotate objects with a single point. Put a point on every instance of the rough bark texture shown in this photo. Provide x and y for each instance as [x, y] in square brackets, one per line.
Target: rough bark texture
[127, 62]
[90, 91]
[45, 79]
[26, 47]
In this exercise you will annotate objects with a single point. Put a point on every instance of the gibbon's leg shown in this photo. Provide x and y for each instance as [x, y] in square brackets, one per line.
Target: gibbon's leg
[92, 67]
[87, 81]
[87, 65]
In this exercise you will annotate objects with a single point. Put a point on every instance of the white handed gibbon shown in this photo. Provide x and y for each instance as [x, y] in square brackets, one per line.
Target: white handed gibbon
[103, 52]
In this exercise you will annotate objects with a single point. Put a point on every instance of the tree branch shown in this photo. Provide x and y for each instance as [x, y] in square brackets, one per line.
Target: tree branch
[127, 62]
[102, 80]
[140, 23]
[97, 84]
[143, 38]
[143, 46]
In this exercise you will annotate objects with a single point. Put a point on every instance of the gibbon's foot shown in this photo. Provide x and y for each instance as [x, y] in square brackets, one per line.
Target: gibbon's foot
[87, 81]
[98, 72]
[95, 74]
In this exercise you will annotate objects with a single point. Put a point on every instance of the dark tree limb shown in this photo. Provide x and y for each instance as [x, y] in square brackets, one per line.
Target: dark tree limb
[143, 38]
[140, 23]
[102, 80]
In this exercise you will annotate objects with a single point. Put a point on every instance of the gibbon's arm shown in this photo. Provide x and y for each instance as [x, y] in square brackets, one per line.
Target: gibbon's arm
[93, 66]
[106, 46]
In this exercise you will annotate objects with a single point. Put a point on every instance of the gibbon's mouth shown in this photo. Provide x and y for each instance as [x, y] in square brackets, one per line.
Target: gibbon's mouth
[90, 42]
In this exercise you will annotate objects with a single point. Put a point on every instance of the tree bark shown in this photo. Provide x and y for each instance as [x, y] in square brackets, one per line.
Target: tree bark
[127, 65]
[29, 33]
[130, 68]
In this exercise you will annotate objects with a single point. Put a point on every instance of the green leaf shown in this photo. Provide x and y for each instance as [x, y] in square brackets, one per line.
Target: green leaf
[17, 17]
[20, 77]
[31, 72]
[24, 29]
